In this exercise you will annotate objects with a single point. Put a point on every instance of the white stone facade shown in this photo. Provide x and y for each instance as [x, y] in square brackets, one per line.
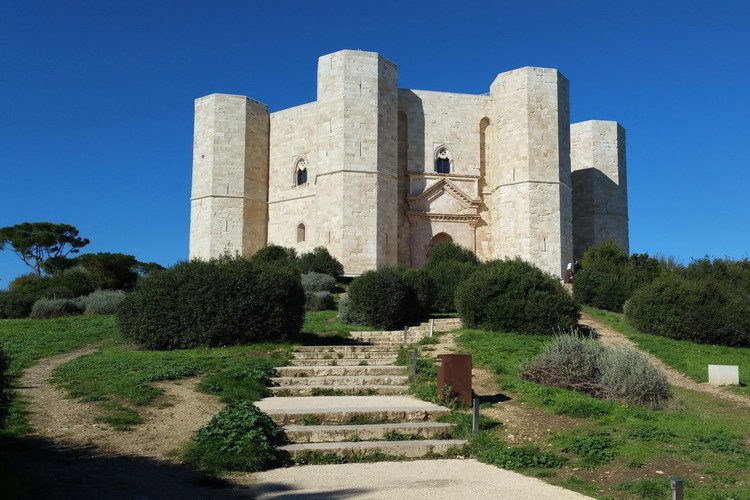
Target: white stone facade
[378, 174]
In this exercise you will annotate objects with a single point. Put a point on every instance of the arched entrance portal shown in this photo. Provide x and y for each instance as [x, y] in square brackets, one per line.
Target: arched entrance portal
[438, 238]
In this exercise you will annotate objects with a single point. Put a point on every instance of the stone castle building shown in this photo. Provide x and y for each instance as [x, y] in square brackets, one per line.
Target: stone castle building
[379, 174]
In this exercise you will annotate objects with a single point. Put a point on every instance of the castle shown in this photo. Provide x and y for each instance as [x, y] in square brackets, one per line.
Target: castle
[378, 174]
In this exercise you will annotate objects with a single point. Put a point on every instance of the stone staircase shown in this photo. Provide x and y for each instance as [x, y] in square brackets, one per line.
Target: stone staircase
[352, 399]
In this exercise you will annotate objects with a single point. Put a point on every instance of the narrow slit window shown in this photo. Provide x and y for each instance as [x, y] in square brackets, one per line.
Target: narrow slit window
[300, 233]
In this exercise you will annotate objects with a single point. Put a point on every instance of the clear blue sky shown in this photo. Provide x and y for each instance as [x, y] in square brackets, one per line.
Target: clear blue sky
[96, 115]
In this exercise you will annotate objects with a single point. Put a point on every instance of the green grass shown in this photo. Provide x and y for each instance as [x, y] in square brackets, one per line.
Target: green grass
[687, 357]
[123, 375]
[707, 436]
[327, 324]
[27, 340]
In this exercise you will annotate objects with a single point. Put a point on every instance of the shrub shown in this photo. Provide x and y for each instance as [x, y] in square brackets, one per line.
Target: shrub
[68, 284]
[15, 305]
[570, 362]
[219, 302]
[240, 437]
[609, 277]
[629, 376]
[110, 271]
[447, 275]
[515, 296]
[582, 364]
[319, 301]
[318, 282]
[4, 387]
[55, 308]
[390, 297]
[320, 261]
[380, 298]
[447, 251]
[347, 313]
[421, 293]
[705, 311]
[103, 301]
[733, 272]
[276, 254]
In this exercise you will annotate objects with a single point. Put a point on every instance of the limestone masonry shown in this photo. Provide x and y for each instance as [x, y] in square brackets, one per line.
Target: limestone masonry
[379, 174]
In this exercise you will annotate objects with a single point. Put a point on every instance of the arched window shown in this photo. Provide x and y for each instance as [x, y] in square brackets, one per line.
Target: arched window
[300, 172]
[442, 161]
[300, 233]
[438, 238]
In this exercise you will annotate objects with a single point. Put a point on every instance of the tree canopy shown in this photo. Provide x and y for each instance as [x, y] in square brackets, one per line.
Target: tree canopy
[37, 242]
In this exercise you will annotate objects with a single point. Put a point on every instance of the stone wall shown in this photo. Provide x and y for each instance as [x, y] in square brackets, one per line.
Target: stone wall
[530, 200]
[372, 195]
[600, 192]
[230, 176]
[293, 138]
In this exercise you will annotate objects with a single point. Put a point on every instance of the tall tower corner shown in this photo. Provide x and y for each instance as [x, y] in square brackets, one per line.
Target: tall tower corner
[229, 196]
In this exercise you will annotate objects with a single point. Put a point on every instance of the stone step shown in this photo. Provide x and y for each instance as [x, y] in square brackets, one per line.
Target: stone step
[348, 390]
[349, 409]
[410, 449]
[346, 348]
[338, 433]
[338, 369]
[343, 361]
[342, 380]
[363, 355]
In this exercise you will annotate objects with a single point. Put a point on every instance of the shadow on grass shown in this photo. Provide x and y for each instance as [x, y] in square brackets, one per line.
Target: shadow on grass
[32, 467]
[495, 398]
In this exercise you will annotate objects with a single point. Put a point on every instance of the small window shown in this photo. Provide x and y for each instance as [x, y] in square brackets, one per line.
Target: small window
[300, 172]
[300, 233]
[442, 161]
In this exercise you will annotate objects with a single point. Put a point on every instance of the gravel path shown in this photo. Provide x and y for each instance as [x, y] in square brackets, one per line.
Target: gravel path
[68, 421]
[428, 479]
[611, 337]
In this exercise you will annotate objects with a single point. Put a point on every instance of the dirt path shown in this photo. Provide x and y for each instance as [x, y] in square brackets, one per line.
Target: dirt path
[611, 337]
[166, 427]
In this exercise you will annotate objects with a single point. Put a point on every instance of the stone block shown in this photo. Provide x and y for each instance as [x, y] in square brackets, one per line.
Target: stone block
[723, 375]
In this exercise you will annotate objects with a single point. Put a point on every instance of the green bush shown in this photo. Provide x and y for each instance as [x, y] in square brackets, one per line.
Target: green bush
[318, 282]
[447, 275]
[110, 271]
[276, 254]
[239, 438]
[347, 313]
[609, 277]
[66, 284]
[515, 296]
[584, 365]
[102, 301]
[629, 376]
[4, 387]
[704, 310]
[320, 261]
[421, 293]
[219, 302]
[15, 304]
[319, 301]
[390, 297]
[55, 308]
[446, 251]
[733, 272]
